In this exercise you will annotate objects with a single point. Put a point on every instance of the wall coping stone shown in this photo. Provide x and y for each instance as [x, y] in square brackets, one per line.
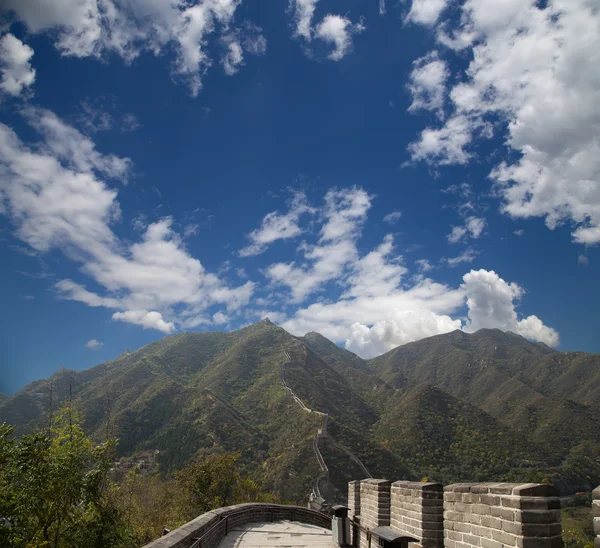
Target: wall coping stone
[516, 489]
[182, 536]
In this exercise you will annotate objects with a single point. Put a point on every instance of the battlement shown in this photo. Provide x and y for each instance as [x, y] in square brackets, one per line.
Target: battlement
[463, 515]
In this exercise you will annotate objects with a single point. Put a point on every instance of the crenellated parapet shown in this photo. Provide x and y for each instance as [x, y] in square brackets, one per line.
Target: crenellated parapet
[465, 515]
[596, 515]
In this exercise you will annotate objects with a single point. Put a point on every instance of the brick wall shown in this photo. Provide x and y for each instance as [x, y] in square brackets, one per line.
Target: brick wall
[464, 515]
[354, 499]
[596, 514]
[416, 510]
[499, 515]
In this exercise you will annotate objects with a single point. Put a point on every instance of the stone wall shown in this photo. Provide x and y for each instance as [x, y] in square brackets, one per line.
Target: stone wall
[596, 514]
[499, 515]
[417, 511]
[213, 526]
[465, 515]
[354, 499]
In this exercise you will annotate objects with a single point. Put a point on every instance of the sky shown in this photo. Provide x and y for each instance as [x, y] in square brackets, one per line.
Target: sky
[378, 171]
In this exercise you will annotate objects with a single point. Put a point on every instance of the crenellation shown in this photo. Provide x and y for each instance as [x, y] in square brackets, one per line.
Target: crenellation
[596, 515]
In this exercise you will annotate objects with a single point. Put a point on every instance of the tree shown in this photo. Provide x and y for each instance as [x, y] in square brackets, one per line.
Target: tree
[215, 481]
[55, 489]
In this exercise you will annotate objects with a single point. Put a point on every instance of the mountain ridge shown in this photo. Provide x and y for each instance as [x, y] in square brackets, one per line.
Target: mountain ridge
[432, 408]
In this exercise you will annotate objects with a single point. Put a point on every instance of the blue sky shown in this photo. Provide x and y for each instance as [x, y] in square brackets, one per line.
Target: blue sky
[376, 171]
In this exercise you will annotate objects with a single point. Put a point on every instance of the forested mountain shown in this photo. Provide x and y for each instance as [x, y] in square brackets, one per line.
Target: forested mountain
[486, 406]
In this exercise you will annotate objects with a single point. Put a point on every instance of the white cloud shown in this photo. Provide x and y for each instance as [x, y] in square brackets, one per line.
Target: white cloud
[233, 58]
[426, 12]
[68, 145]
[582, 259]
[148, 320]
[15, 66]
[427, 84]
[56, 200]
[371, 325]
[402, 326]
[424, 265]
[338, 31]
[93, 344]
[519, 232]
[220, 318]
[472, 228]
[382, 9]
[304, 11]
[534, 74]
[344, 213]
[130, 123]
[468, 256]
[491, 304]
[393, 217]
[84, 28]
[333, 29]
[276, 226]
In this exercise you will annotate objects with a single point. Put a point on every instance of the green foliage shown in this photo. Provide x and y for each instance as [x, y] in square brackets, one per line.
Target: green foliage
[487, 406]
[55, 491]
[577, 528]
[215, 481]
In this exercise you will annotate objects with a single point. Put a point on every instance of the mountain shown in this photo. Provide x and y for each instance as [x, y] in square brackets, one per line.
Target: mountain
[550, 398]
[486, 406]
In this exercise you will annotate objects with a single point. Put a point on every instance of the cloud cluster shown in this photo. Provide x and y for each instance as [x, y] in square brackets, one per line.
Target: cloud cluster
[92, 28]
[427, 84]
[426, 12]
[93, 344]
[533, 80]
[335, 30]
[276, 226]
[372, 307]
[57, 199]
[491, 304]
[15, 66]
[344, 213]
[472, 228]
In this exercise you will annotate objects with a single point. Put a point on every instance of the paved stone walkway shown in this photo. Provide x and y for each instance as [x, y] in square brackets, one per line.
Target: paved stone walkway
[281, 534]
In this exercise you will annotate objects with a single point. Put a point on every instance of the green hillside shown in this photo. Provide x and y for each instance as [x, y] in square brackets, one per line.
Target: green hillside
[487, 406]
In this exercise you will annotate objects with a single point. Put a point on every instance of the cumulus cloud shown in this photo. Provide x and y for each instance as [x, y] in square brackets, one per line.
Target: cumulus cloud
[467, 256]
[344, 213]
[401, 327]
[472, 228]
[93, 344]
[15, 66]
[233, 58]
[92, 28]
[533, 74]
[276, 226]
[426, 12]
[304, 11]
[148, 320]
[424, 265]
[393, 217]
[372, 306]
[491, 304]
[427, 84]
[57, 199]
[371, 324]
[338, 31]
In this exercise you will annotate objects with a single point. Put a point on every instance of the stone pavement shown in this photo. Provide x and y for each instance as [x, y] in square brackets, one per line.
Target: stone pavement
[288, 534]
